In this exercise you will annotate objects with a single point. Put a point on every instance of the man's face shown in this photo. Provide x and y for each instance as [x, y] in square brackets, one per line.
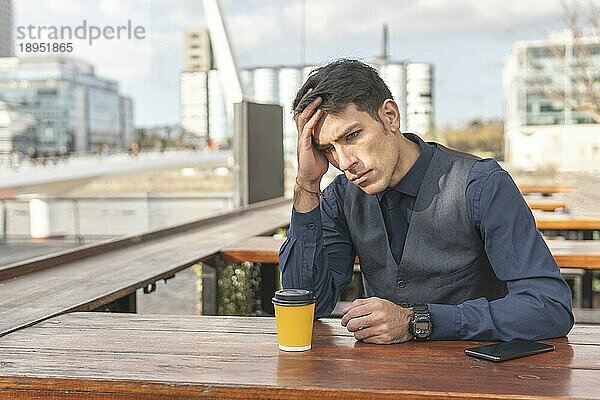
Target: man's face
[359, 146]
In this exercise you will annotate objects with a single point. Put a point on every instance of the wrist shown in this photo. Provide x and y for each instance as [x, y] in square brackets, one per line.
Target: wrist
[308, 184]
[305, 201]
[420, 326]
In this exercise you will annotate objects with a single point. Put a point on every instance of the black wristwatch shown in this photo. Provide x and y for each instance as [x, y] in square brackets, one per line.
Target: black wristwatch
[420, 325]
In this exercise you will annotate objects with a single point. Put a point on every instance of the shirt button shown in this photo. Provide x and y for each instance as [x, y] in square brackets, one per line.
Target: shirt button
[401, 283]
[311, 226]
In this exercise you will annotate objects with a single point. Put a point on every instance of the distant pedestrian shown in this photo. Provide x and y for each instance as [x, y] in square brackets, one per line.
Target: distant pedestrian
[15, 159]
[134, 149]
[32, 155]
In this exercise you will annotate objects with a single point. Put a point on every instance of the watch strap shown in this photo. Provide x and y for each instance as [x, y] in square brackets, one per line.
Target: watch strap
[420, 316]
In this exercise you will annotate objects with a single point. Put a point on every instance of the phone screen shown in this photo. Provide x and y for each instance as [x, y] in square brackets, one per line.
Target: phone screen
[509, 350]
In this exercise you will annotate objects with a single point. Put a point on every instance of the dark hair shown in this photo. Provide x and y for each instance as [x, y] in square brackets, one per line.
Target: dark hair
[342, 82]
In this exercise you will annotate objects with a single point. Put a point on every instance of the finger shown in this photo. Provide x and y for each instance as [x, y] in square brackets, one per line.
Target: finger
[356, 324]
[376, 339]
[306, 94]
[307, 113]
[312, 122]
[357, 302]
[356, 312]
[296, 112]
[366, 334]
[306, 135]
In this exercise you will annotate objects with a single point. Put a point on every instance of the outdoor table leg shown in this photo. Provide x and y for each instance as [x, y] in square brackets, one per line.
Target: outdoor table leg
[587, 290]
[210, 287]
[269, 274]
[126, 304]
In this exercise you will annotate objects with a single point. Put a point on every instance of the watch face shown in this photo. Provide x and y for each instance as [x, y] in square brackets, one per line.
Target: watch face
[422, 326]
[421, 330]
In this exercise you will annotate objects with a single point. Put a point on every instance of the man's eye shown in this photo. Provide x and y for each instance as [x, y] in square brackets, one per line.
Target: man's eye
[351, 136]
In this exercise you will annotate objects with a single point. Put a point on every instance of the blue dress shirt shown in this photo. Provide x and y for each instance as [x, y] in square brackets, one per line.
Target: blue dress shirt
[318, 255]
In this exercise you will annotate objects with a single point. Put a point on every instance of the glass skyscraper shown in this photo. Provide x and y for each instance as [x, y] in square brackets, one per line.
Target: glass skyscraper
[72, 106]
[543, 80]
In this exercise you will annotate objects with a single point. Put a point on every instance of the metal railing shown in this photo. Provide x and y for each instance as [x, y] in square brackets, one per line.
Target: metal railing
[85, 219]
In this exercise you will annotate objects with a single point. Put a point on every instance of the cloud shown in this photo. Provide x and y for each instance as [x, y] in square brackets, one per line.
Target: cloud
[272, 27]
[252, 32]
[431, 17]
[114, 9]
[70, 8]
[267, 32]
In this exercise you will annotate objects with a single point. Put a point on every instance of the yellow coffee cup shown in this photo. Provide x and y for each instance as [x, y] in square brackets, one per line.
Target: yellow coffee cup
[294, 315]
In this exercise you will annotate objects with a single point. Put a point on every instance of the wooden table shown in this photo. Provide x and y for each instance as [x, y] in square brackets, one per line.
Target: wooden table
[544, 190]
[567, 253]
[577, 226]
[584, 255]
[580, 259]
[128, 356]
[547, 205]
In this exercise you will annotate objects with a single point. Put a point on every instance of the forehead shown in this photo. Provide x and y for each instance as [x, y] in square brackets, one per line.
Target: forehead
[331, 126]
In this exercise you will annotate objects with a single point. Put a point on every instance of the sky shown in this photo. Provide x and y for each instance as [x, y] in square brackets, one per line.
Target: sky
[465, 40]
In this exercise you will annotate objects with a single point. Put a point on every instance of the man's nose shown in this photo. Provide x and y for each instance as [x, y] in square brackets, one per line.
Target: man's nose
[346, 160]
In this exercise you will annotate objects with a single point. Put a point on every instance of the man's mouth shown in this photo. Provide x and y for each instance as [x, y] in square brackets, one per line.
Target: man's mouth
[360, 178]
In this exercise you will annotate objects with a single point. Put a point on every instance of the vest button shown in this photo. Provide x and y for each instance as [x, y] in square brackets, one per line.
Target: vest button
[401, 283]
[311, 226]
[404, 304]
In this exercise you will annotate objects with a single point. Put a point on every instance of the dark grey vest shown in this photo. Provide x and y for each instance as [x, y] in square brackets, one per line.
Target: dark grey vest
[443, 260]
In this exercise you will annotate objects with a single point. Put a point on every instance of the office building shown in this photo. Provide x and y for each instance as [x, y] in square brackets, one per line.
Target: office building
[7, 45]
[193, 84]
[543, 130]
[17, 131]
[71, 105]
[193, 94]
[126, 120]
[197, 51]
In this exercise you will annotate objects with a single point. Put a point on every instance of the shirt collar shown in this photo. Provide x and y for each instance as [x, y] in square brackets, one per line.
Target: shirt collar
[411, 182]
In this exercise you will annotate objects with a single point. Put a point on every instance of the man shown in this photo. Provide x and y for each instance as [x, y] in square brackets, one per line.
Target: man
[448, 247]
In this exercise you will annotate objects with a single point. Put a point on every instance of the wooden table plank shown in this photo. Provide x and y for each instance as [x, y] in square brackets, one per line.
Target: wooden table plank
[557, 221]
[130, 356]
[544, 189]
[583, 254]
[549, 205]
[87, 283]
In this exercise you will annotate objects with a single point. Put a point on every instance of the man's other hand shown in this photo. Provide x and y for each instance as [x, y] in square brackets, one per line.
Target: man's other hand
[379, 321]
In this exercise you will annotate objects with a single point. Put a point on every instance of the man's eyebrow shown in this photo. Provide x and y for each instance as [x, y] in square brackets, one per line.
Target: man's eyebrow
[346, 131]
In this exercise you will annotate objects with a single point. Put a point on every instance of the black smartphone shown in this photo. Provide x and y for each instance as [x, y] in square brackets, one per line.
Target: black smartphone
[509, 350]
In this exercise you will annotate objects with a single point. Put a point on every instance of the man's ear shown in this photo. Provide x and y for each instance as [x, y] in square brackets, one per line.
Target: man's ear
[390, 115]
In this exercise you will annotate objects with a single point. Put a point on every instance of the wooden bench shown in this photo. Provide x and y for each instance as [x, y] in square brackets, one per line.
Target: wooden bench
[93, 276]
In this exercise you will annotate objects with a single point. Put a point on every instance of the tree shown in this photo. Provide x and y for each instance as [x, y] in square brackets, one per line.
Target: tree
[484, 138]
[573, 80]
